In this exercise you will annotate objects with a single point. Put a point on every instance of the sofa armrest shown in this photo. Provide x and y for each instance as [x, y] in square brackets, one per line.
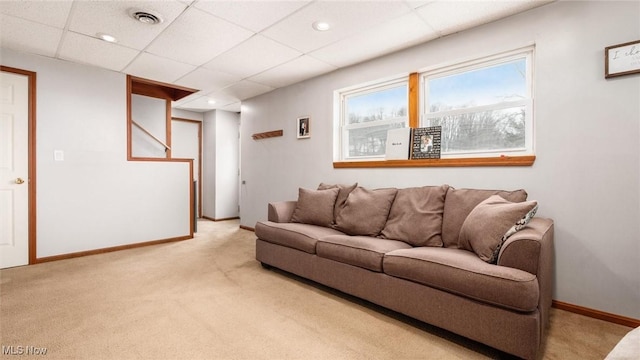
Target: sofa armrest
[531, 249]
[281, 211]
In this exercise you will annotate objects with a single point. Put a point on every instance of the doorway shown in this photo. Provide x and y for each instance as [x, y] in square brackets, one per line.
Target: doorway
[17, 167]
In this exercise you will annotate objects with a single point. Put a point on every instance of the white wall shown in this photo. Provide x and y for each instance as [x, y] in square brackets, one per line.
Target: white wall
[151, 114]
[95, 198]
[209, 165]
[227, 164]
[587, 129]
[221, 162]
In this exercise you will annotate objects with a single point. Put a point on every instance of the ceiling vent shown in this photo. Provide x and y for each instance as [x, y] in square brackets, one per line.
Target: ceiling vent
[145, 16]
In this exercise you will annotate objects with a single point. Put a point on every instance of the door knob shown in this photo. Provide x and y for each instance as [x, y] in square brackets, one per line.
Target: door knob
[19, 181]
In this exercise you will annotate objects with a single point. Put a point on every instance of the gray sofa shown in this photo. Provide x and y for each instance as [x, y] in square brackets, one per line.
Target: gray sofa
[474, 262]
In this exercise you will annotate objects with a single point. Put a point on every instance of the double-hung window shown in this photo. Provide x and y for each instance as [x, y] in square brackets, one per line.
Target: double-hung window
[485, 107]
[366, 114]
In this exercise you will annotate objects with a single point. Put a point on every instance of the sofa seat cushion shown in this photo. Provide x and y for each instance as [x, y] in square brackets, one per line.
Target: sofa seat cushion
[297, 236]
[362, 251]
[462, 272]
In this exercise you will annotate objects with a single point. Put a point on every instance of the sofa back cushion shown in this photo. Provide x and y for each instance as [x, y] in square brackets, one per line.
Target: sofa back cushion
[458, 203]
[343, 193]
[315, 207]
[416, 216]
[365, 212]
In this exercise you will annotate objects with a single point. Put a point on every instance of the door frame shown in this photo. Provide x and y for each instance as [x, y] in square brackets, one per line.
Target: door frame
[31, 219]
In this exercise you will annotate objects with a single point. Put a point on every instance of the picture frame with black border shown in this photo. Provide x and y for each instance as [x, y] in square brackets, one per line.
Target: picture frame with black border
[425, 142]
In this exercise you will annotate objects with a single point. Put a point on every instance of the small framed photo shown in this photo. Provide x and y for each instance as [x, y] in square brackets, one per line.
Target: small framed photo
[303, 128]
[622, 59]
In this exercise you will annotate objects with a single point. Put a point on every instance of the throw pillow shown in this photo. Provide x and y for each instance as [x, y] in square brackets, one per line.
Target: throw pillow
[416, 216]
[343, 193]
[491, 222]
[315, 207]
[365, 212]
[458, 204]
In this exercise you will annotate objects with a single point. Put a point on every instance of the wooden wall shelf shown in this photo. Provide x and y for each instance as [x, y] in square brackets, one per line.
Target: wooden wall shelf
[268, 134]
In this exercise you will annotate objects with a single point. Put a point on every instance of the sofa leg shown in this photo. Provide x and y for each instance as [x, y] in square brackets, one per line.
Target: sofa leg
[265, 266]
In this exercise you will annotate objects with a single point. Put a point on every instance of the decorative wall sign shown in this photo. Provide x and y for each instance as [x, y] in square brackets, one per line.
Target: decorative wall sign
[303, 127]
[397, 146]
[425, 142]
[622, 59]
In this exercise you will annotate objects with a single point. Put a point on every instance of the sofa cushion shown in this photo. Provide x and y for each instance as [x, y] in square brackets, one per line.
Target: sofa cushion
[462, 272]
[362, 251]
[491, 222]
[458, 204]
[343, 193]
[365, 212]
[297, 236]
[416, 216]
[315, 207]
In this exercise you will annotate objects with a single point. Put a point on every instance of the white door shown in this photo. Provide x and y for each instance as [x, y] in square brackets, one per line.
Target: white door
[185, 144]
[14, 170]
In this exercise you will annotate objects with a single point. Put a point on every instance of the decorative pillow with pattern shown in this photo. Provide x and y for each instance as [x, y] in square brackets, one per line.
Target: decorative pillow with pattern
[491, 223]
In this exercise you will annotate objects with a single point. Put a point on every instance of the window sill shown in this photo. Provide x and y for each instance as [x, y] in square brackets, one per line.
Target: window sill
[463, 162]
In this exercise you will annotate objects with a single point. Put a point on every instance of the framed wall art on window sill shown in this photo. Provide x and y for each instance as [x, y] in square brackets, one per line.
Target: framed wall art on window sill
[303, 127]
[622, 59]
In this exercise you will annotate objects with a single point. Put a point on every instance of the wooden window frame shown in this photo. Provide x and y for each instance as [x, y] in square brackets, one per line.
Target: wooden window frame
[414, 122]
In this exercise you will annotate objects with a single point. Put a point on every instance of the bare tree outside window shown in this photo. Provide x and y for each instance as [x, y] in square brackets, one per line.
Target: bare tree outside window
[370, 113]
[481, 108]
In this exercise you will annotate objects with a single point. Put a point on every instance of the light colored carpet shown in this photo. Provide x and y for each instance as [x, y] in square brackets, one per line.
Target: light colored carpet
[208, 298]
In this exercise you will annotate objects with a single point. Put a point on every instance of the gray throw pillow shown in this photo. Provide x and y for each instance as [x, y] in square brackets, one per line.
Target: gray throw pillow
[365, 212]
[315, 207]
[491, 222]
[416, 216]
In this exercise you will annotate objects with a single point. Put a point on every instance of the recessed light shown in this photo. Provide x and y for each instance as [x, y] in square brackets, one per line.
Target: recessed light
[321, 25]
[106, 37]
[211, 102]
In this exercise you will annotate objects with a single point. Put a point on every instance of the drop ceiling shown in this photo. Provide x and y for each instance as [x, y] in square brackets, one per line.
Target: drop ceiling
[234, 50]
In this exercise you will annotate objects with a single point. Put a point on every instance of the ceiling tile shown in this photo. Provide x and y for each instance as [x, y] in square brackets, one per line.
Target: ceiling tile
[201, 103]
[234, 107]
[391, 36]
[302, 68]
[44, 12]
[28, 36]
[241, 60]
[89, 50]
[207, 80]
[346, 18]
[112, 17]
[253, 15]
[157, 68]
[242, 90]
[196, 37]
[448, 17]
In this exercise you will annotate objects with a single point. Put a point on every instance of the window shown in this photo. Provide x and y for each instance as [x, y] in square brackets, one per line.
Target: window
[366, 113]
[485, 107]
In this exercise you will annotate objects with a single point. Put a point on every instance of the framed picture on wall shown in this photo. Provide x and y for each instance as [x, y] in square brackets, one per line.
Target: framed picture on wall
[622, 59]
[303, 127]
